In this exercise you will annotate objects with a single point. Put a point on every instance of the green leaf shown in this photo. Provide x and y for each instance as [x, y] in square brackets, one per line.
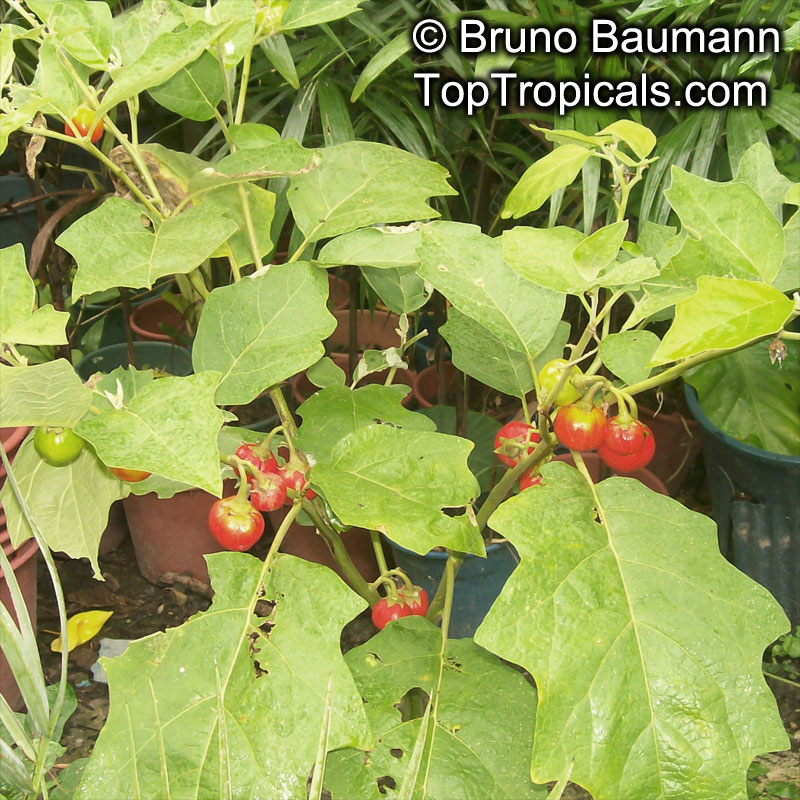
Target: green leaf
[637, 698]
[723, 314]
[397, 481]
[481, 430]
[305, 13]
[169, 427]
[70, 503]
[20, 321]
[598, 250]
[757, 170]
[482, 722]
[44, 394]
[362, 183]
[194, 91]
[751, 399]
[629, 273]
[137, 27]
[114, 248]
[788, 279]
[285, 157]
[279, 53]
[385, 247]
[334, 115]
[326, 372]
[6, 53]
[628, 354]
[53, 81]
[639, 138]
[249, 331]
[793, 195]
[383, 58]
[556, 170]
[734, 224]
[401, 289]
[162, 58]
[469, 269]
[246, 715]
[82, 29]
[253, 135]
[332, 413]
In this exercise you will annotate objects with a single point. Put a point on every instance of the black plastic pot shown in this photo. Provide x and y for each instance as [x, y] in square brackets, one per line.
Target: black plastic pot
[754, 502]
[147, 355]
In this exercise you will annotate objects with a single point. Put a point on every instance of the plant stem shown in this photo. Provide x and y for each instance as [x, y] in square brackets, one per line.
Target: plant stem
[380, 556]
[243, 81]
[449, 586]
[437, 605]
[283, 528]
[781, 678]
[244, 199]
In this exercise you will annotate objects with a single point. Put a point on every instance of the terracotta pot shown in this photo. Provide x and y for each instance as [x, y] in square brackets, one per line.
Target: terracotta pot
[10, 439]
[171, 535]
[678, 444]
[302, 388]
[338, 292]
[599, 471]
[23, 563]
[147, 319]
[426, 392]
[375, 330]
[305, 542]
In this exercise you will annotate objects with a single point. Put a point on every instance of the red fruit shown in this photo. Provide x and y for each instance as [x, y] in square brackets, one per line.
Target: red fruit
[625, 437]
[78, 127]
[129, 475]
[412, 603]
[269, 492]
[529, 478]
[294, 476]
[235, 524]
[634, 461]
[514, 441]
[268, 464]
[578, 428]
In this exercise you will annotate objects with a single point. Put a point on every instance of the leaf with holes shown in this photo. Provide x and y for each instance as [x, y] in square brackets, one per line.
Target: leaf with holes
[249, 330]
[169, 427]
[401, 482]
[362, 183]
[330, 414]
[470, 270]
[115, 245]
[70, 503]
[245, 717]
[637, 697]
[482, 724]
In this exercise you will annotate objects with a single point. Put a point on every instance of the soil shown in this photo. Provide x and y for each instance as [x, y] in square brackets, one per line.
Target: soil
[141, 608]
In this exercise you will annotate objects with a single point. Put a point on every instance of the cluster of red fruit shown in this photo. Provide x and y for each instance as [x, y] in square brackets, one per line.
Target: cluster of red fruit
[236, 522]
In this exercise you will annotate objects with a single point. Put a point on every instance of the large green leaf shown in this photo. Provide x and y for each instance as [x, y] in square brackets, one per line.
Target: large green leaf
[169, 427]
[20, 321]
[384, 247]
[398, 481]
[788, 279]
[161, 59]
[305, 13]
[114, 248]
[637, 697]
[723, 314]
[362, 183]
[733, 222]
[251, 331]
[757, 170]
[481, 430]
[43, 394]
[401, 289]
[70, 504]
[241, 720]
[54, 82]
[598, 250]
[194, 91]
[628, 354]
[556, 170]
[469, 269]
[481, 731]
[751, 399]
[137, 27]
[330, 414]
[82, 29]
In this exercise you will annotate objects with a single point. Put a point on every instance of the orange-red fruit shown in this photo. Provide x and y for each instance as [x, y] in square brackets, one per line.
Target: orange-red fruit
[79, 126]
[625, 438]
[634, 461]
[510, 442]
[529, 478]
[578, 428]
[129, 475]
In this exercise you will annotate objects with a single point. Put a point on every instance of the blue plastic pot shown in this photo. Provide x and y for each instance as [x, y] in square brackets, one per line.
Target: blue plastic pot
[478, 583]
[754, 502]
[148, 355]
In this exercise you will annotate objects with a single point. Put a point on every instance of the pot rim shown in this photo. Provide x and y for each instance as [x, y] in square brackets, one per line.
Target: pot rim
[149, 335]
[748, 449]
[21, 555]
[18, 433]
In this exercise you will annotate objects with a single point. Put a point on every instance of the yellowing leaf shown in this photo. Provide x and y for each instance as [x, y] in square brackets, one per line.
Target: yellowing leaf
[80, 628]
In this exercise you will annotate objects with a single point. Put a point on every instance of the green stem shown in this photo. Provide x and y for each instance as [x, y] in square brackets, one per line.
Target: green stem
[243, 85]
[251, 231]
[380, 556]
[437, 604]
[449, 586]
[23, 12]
[283, 528]
[198, 284]
[781, 678]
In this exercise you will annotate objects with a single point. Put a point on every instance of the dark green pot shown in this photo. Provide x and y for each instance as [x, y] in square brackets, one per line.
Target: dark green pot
[147, 355]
